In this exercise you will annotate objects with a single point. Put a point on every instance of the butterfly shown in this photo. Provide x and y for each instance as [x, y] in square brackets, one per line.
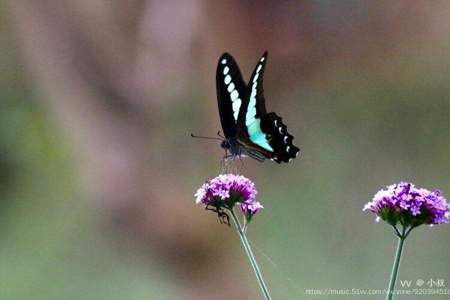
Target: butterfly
[248, 129]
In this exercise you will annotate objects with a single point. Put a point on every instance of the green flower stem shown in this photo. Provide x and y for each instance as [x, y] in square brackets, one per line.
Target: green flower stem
[401, 239]
[250, 255]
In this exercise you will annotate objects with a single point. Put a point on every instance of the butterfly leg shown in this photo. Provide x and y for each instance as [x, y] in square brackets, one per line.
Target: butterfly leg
[241, 167]
[223, 161]
[222, 216]
[211, 208]
[227, 163]
[222, 164]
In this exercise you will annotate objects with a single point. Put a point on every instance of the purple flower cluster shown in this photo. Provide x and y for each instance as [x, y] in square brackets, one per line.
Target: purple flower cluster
[227, 190]
[409, 205]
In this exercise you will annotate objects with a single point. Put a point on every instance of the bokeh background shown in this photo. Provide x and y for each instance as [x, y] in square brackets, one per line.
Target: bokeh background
[98, 171]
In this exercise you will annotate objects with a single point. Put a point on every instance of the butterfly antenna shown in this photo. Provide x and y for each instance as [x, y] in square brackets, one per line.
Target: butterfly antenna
[219, 134]
[205, 137]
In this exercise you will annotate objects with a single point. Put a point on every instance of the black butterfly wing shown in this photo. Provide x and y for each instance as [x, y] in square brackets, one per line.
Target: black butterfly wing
[263, 134]
[231, 91]
[279, 139]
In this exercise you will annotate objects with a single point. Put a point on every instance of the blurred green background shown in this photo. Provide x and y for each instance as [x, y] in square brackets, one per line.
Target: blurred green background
[97, 169]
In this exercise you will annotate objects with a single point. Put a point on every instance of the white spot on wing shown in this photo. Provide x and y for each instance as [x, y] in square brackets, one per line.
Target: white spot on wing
[254, 88]
[227, 79]
[280, 129]
[258, 69]
[256, 77]
[234, 95]
[226, 70]
[252, 100]
[275, 122]
[224, 61]
[287, 148]
[289, 159]
[262, 58]
[236, 105]
[230, 87]
[296, 154]
[249, 120]
[251, 112]
[285, 138]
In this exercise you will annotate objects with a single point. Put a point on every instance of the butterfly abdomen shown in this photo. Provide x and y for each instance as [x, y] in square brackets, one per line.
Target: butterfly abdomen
[279, 139]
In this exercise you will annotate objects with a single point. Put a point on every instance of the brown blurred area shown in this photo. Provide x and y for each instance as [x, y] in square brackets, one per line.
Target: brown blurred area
[110, 74]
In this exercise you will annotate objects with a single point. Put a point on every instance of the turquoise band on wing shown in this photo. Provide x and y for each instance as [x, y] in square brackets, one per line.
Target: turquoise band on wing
[257, 136]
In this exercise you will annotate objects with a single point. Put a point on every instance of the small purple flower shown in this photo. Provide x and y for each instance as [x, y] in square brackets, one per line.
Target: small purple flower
[251, 208]
[227, 190]
[409, 205]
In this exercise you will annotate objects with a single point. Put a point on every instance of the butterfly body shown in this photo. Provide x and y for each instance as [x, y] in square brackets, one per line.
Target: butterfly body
[248, 128]
[231, 145]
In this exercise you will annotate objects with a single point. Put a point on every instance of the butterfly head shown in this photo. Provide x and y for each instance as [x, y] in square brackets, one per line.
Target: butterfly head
[225, 144]
[231, 146]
